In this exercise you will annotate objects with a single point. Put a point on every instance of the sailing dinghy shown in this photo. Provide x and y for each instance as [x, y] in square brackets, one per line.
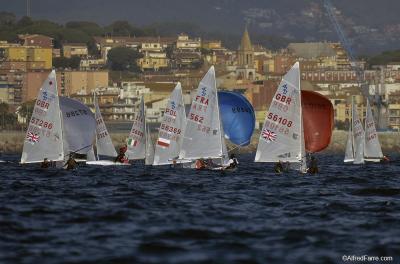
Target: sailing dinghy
[282, 136]
[104, 145]
[44, 136]
[355, 139]
[139, 140]
[372, 148]
[204, 135]
[58, 126]
[171, 129]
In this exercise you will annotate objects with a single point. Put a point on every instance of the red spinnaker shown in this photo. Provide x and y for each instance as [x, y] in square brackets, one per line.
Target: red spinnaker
[317, 120]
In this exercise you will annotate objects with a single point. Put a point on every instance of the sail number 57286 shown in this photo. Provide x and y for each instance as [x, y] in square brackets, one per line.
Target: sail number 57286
[279, 119]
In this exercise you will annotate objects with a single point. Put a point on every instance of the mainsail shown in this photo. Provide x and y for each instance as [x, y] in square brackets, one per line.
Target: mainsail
[171, 129]
[104, 144]
[203, 133]
[44, 137]
[137, 141]
[79, 126]
[358, 134]
[281, 137]
[149, 148]
[372, 149]
[349, 154]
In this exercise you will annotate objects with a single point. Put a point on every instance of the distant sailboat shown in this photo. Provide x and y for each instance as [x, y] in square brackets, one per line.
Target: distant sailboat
[355, 139]
[104, 145]
[139, 140]
[204, 135]
[170, 134]
[282, 136]
[372, 149]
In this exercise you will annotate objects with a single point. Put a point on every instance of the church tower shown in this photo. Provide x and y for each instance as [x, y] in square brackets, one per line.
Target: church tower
[245, 58]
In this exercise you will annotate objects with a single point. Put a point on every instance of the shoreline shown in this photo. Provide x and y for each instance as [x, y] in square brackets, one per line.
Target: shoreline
[11, 142]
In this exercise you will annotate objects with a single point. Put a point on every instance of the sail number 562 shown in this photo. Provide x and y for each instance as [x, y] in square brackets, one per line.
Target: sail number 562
[279, 119]
[196, 118]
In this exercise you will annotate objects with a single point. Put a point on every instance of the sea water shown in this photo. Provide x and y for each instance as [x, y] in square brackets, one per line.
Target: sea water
[164, 215]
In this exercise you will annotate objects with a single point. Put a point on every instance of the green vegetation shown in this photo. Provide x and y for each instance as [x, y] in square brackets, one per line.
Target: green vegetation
[385, 58]
[123, 59]
[8, 120]
[62, 62]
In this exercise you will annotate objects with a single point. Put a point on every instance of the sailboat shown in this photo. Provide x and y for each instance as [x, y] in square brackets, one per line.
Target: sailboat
[104, 145]
[355, 139]
[282, 136]
[44, 136]
[139, 141]
[372, 148]
[204, 135]
[170, 134]
[58, 126]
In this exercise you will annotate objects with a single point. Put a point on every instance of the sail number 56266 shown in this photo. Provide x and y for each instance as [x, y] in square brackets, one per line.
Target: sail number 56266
[279, 119]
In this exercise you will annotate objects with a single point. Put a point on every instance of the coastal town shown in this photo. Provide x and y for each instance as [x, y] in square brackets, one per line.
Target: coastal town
[122, 68]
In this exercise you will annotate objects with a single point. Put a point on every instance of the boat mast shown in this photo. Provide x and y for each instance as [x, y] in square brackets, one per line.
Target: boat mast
[95, 109]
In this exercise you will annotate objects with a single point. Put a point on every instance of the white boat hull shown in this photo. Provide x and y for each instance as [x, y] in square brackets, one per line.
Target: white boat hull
[106, 163]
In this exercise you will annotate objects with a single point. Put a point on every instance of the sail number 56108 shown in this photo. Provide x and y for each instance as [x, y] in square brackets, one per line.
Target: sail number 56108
[279, 119]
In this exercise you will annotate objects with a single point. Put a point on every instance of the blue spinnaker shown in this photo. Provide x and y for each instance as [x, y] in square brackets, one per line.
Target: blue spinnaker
[237, 116]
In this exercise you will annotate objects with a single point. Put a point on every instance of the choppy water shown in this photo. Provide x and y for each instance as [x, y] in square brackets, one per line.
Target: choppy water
[128, 215]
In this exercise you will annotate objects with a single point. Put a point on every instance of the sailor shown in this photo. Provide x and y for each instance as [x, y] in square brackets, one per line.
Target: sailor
[385, 159]
[233, 162]
[210, 163]
[287, 167]
[313, 167]
[200, 164]
[278, 167]
[45, 164]
[121, 156]
[71, 162]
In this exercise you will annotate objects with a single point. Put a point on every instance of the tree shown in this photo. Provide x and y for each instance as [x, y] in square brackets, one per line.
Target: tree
[62, 62]
[24, 22]
[7, 119]
[123, 28]
[7, 19]
[123, 59]
[26, 109]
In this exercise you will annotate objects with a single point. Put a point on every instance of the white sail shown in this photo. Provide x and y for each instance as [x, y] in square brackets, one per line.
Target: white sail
[104, 144]
[79, 126]
[358, 134]
[44, 137]
[349, 154]
[149, 148]
[281, 137]
[90, 155]
[203, 134]
[137, 140]
[372, 149]
[170, 134]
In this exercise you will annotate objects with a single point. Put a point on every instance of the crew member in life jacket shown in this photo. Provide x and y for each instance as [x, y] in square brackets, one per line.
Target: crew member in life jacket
[71, 162]
[233, 162]
[45, 164]
[278, 167]
[313, 167]
[200, 164]
[385, 159]
[121, 156]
